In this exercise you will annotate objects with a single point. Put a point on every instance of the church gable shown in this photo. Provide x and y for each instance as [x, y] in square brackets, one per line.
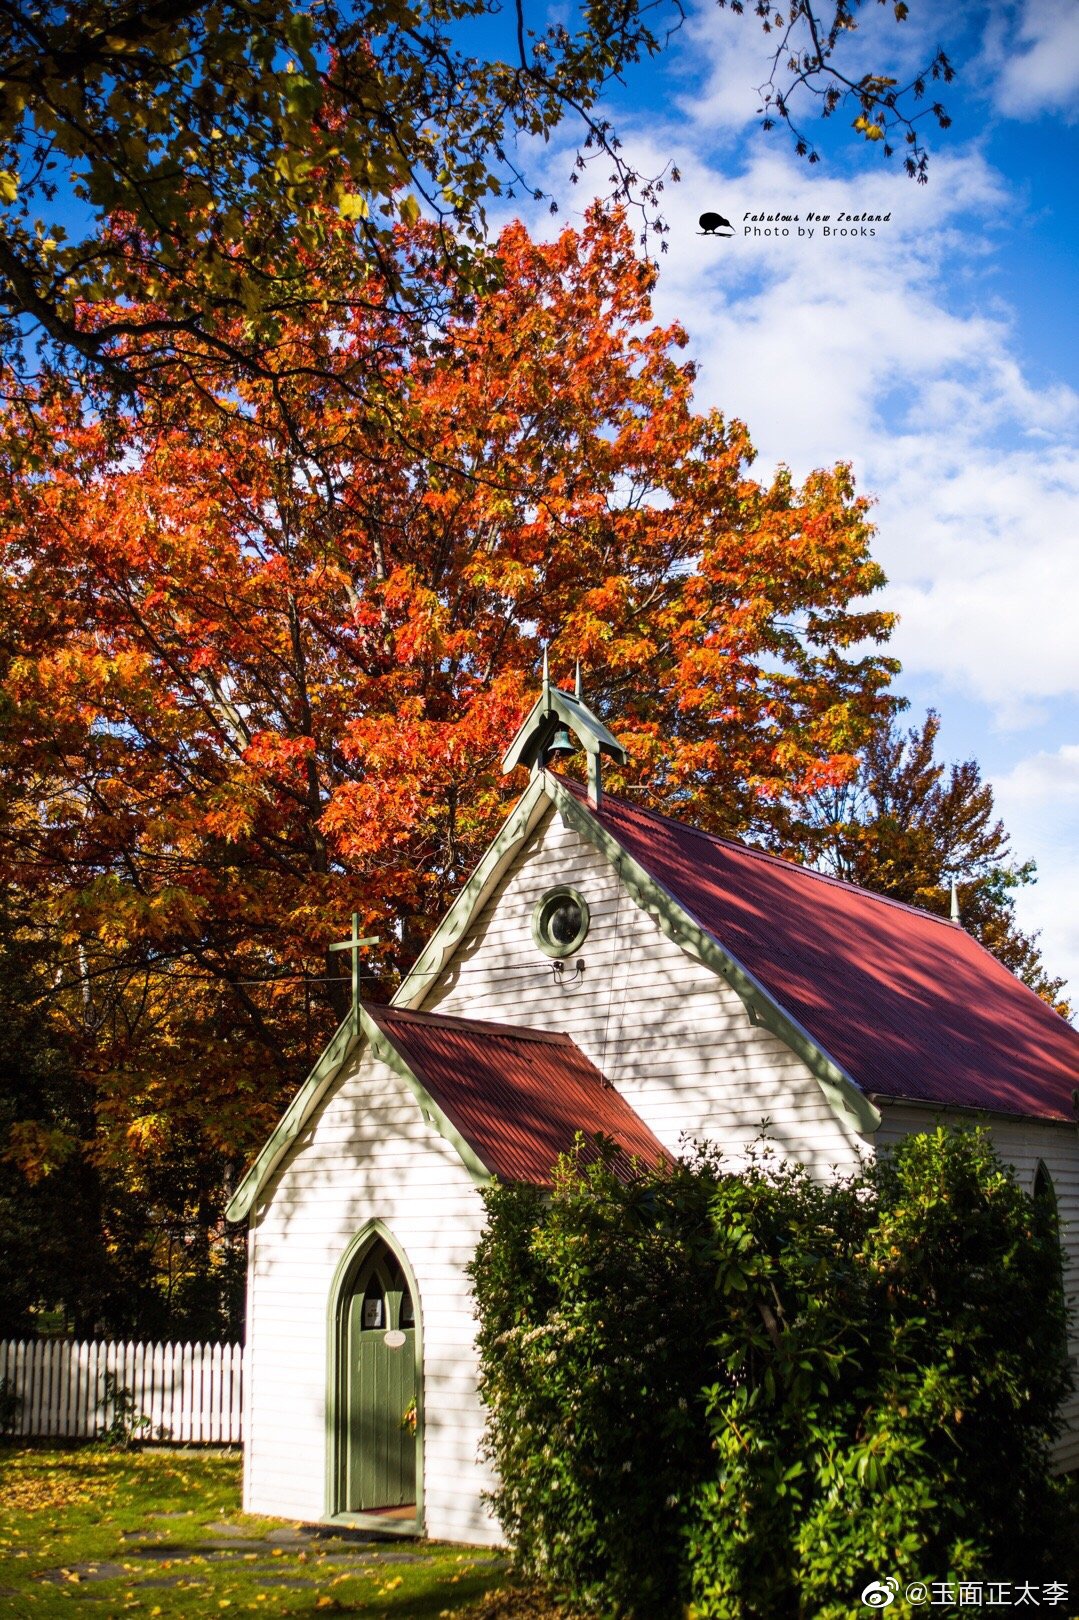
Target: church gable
[365, 1151]
[724, 992]
[669, 1033]
[366, 1117]
[507, 1099]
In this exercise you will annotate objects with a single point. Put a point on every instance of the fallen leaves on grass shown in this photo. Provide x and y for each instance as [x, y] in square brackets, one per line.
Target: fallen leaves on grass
[37, 1490]
[513, 1603]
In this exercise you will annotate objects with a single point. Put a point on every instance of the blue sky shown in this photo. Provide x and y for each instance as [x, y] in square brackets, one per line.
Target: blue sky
[941, 357]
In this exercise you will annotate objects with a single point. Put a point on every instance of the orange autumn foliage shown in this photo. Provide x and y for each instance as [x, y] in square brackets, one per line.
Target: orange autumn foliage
[248, 689]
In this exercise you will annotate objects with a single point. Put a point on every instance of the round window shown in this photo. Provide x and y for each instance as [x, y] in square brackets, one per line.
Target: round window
[560, 921]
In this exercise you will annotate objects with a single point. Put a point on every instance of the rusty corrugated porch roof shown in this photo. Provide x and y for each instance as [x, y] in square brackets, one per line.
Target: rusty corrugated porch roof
[518, 1096]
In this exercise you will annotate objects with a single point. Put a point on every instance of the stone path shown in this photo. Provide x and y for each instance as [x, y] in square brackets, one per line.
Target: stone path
[76, 1573]
[227, 1542]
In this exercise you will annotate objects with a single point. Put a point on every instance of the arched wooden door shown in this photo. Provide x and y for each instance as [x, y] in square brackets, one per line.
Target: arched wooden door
[379, 1386]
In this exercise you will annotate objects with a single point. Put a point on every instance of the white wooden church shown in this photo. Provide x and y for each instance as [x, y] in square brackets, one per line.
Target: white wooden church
[604, 969]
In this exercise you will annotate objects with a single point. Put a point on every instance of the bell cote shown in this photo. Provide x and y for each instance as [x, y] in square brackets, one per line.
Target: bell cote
[549, 730]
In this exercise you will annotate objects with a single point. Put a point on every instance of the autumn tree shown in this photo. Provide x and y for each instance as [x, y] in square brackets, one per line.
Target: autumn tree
[246, 692]
[83, 1249]
[51, 1254]
[168, 163]
[908, 825]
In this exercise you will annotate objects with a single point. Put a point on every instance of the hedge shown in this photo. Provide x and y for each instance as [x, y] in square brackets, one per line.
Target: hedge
[751, 1393]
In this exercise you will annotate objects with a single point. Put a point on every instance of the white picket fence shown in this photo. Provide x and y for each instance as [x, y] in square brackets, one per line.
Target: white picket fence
[189, 1392]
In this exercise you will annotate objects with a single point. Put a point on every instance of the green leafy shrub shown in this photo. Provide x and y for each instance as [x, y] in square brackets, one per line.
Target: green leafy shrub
[594, 1346]
[756, 1392]
[125, 1424]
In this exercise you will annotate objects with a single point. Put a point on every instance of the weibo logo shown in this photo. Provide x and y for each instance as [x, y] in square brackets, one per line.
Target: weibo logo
[878, 1594]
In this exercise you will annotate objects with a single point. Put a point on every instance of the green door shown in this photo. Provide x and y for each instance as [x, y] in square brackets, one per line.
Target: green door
[380, 1387]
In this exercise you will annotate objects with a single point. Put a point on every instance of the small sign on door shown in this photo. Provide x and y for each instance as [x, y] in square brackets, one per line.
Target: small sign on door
[372, 1312]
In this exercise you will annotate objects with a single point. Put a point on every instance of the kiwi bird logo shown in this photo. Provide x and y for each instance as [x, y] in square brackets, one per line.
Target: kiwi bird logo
[714, 225]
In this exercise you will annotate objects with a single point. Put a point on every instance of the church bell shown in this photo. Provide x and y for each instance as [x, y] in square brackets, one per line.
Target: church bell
[561, 745]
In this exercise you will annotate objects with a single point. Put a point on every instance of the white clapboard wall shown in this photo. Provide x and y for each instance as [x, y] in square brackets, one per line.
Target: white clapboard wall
[189, 1392]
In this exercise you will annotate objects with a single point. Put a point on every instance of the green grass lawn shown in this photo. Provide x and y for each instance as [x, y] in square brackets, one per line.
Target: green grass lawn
[99, 1533]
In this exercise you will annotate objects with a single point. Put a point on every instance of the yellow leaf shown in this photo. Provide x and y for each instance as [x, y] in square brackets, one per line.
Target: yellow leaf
[9, 185]
[409, 210]
[352, 206]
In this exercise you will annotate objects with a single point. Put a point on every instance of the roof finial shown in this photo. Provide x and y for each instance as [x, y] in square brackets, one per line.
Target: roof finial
[546, 677]
[955, 903]
[578, 691]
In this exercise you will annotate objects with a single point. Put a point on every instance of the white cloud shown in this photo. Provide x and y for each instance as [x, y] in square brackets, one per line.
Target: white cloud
[1041, 794]
[1032, 50]
[997, 548]
[886, 352]
[728, 99]
[1047, 780]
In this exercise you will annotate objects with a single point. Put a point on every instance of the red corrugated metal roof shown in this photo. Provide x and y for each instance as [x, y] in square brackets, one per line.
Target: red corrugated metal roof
[908, 1003]
[517, 1096]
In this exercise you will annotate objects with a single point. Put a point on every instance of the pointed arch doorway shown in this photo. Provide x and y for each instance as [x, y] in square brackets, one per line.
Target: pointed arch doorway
[375, 1392]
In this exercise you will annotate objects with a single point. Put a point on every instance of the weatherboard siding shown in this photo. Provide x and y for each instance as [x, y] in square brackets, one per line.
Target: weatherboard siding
[366, 1154]
[1021, 1143]
[673, 1037]
[678, 1044]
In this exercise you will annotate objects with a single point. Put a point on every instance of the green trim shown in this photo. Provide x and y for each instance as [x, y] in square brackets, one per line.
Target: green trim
[942, 1112]
[514, 833]
[351, 1261]
[845, 1097]
[1046, 1189]
[539, 911]
[306, 1100]
[293, 1120]
[407, 1529]
[383, 1048]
